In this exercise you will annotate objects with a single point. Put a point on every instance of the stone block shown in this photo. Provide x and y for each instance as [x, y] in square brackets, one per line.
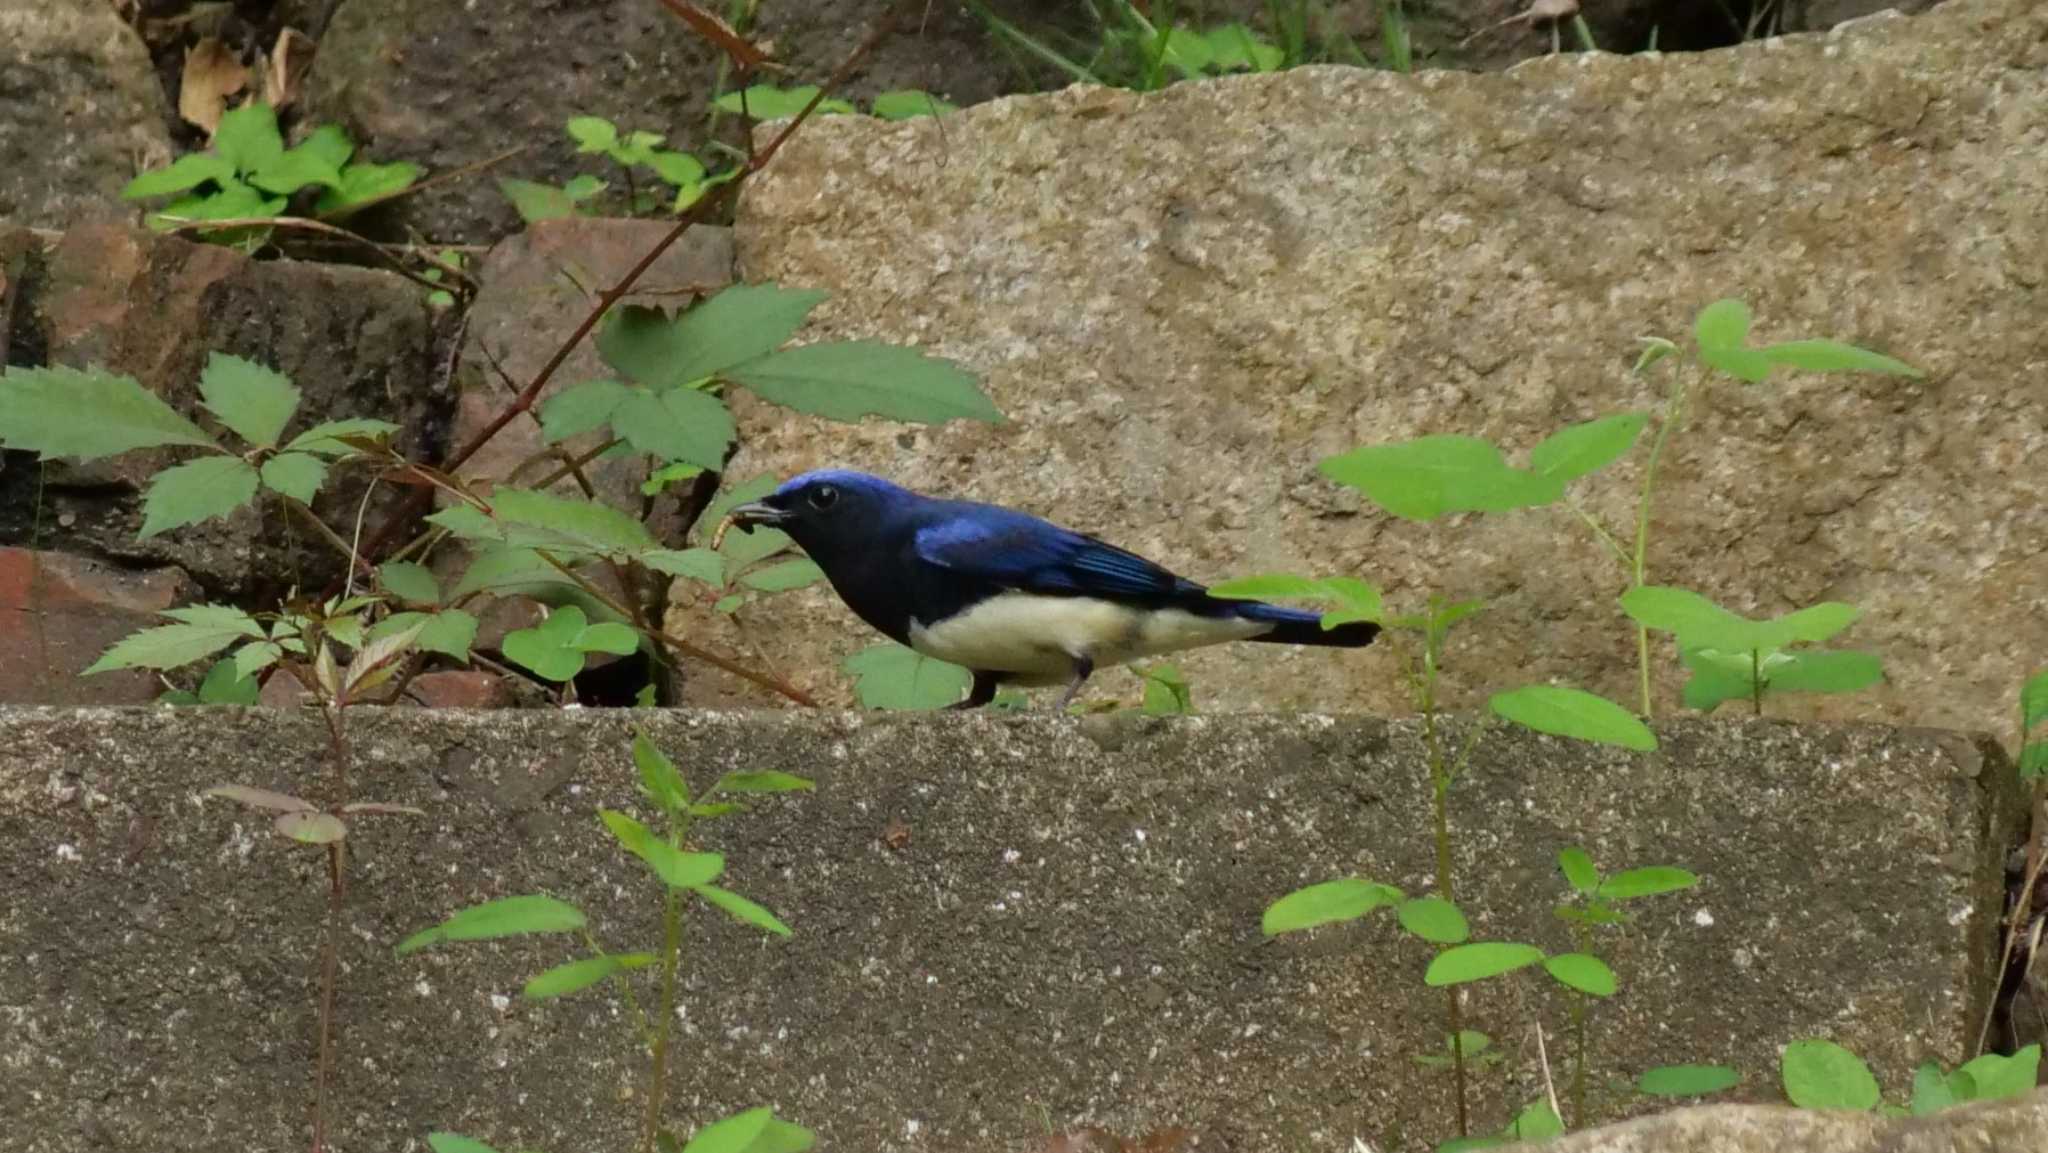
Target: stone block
[58, 613]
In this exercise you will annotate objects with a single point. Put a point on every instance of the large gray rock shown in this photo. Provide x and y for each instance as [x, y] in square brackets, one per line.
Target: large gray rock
[2015, 1124]
[1185, 300]
[80, 112]
[356, 341]
[1000, 923]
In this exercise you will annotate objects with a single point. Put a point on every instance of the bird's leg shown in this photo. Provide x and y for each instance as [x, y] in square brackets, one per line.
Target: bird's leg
[1083, 667]
[983, 692]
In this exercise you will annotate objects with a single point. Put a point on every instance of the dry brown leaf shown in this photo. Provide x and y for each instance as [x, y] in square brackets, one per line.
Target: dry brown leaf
[212, 74]
[284, 71]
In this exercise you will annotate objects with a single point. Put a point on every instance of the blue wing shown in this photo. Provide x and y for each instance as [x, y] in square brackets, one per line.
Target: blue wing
[1009, 550]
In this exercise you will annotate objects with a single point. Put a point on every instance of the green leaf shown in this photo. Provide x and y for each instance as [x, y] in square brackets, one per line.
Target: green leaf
[202, 631]
[412, 583]
[1649, 881]
[254, 401]
[537, 202]
[226, 684]
[232, 200]
[1167, 693]
[1579, 871]
[297, 475]
[456, 1143]
[248, 138]
[793, 574]
[1429, 476]
[1994, 1076]
[1931, 1090]
[505, 570]
[568, 525]
[890, 676]
[1824, 671]
[1822, 1075]
[579, 409]
[1700, 623]
[1344, 899]
[1235, 46]
[1687, 1080]
[252, 659]
[1536, 1122]
[363, 185]
[658, 774]
[575, 975]
[321, 438]
[1477, 962]
[1579, 449]
[742, 909]
[312, 828]
[2034, 700]
[744, 547]
[505, 917]
[296, 169]
[2034, 760]
[699, 564]
[657, 482]
[64, 412]
[1834, 356]
[606, 637]
[1434, 920]
[196, 490]
[1581, 971]
[763, 781]
[1722, 324]
[592, 133]
[741, 323]
[182, 175]
[678, 168]
[676, 868]
[909, 104]
[676, 424]
[330, 143]
[450, 631]
[1186, 50]
[767, 102]
[847, 380]
[1568, 712]
[548, 648]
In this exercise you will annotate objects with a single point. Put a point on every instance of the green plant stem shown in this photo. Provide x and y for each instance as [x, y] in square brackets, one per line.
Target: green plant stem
[1674, 414]
[1584, 941]
[1440, 791]
[671, 961]
[330, 948]
[1756, 682]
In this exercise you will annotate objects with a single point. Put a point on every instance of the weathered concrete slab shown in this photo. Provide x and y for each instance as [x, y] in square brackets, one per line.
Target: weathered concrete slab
[1185, 299]
[2014, 1124]
[999, 921]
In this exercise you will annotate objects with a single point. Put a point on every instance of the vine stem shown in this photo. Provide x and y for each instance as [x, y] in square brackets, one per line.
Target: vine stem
[1674, 415]
[1440, 790]
[330, 949]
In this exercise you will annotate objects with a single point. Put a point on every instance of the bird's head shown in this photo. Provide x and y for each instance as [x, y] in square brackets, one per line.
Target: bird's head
[826, 512]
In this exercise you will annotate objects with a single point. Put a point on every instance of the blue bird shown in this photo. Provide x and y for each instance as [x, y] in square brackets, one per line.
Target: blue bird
[1010, 597]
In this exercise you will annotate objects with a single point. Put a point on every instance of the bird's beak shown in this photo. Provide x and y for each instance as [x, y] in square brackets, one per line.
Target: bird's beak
[756, 512]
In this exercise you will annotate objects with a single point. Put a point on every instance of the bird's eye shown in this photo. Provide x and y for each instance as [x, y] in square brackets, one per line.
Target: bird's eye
[824, 496]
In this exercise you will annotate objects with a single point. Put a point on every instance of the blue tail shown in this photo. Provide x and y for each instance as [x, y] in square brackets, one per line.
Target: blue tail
[1302, 627]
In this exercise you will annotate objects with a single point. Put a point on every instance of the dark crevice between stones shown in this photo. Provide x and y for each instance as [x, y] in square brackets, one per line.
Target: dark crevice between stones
[1698, 25]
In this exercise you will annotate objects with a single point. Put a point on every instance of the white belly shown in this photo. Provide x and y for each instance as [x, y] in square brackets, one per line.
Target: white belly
[1040, 637]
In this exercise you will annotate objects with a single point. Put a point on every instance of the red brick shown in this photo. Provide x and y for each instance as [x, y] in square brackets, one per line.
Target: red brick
[59, 612]
[461, 689]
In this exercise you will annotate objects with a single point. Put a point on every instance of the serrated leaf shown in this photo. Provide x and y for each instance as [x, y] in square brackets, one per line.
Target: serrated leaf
[1687, 1080]
[762, 781]
[909, 104]
[378, 658]
[740, 324]
[505, 570]
[182, 175]
[1430, 476]
[505, 917]
[1569, 712]
[297, 475]
[198, 635]
[312, 828]
[1834, 356]
[251, 659]
[791, 574]
[1583, 972]
[659, 774]
[743, 910]
[677, 424]
[248, 138]
[576, 975]
[60, 412]
[891, 676]
[363, 185]
[1630, 884]
[606, 637]
[1345, 899]
[323, 438]
[1477, 962]
[1579, 449]
[1434, 920]
[411, 583]
[848, 380]
[767, 102]
[196, 490]
[699, 564]
[257, 798]
[567, 525]
[579, 409]
[1822, 1075]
